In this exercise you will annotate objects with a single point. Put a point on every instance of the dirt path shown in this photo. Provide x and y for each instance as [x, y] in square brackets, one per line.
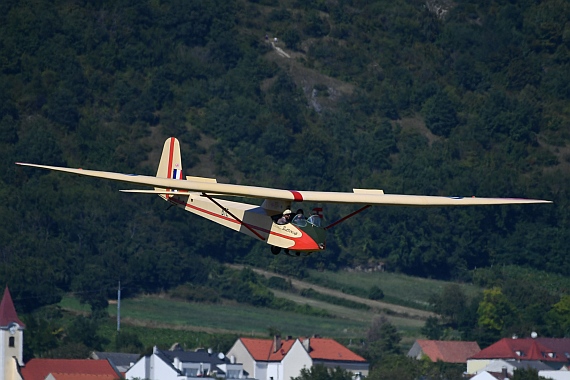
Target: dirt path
[378, 305]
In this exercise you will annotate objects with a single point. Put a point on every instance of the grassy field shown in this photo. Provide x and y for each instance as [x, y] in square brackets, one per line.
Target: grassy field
[162, 321]
[154, 311]
[398, 288]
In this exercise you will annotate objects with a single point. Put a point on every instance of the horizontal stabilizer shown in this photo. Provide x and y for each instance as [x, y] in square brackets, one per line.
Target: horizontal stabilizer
[201, 179]
[368, 191]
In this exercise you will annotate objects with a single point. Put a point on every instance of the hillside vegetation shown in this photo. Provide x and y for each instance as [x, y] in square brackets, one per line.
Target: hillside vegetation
[385, 94]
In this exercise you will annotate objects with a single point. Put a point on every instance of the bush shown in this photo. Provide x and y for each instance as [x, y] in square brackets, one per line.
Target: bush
[279, 283]
[375, 293]
[189, 292]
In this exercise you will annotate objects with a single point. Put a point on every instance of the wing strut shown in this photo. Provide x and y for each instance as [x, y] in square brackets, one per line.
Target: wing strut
[346, 217]
[233, 216]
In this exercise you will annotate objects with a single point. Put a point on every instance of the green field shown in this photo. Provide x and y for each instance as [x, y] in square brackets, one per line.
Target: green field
[153, 311]
[398, 288]
[158, 320]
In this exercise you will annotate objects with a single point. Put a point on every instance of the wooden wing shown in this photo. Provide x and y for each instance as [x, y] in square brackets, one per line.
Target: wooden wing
[358, 196]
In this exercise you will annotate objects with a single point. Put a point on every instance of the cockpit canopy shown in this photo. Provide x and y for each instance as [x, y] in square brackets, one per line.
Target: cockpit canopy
[300, 221]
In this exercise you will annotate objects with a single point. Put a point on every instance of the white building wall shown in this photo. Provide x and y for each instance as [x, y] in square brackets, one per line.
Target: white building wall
[7, 353]
[274, 372]
[161, 370]
[484, 376]
[555, 375]
[259, 371]
[296, 359]
[139, 369]
[354, 367]
[241, 354]
[476, 365]
[152, 368]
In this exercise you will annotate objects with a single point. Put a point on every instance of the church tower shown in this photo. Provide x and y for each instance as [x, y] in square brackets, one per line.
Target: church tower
[11, 338]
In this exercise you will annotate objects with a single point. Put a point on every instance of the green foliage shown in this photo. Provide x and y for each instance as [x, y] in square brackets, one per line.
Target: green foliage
[440, 115]
[195, 293]
[320, 372]
[495, 311]
[128, 342]
[310, 293]
[375, 293]
[451, 304]
[247, 287]
[527, 374]
[100, 85]
[405, 368]
[432, 329]
[382, 339]
[83, 330]
[280, 283]
[558, 317]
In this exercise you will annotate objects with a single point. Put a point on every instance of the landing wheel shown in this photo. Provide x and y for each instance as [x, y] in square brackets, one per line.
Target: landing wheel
[275, 250]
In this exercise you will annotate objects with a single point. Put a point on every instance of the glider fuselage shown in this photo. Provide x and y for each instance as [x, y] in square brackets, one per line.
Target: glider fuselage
[254, 221]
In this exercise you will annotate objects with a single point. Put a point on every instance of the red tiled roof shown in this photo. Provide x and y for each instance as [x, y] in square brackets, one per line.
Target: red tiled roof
[262, 349]
[321, 349]
[81, 376]
[38, 369]
[330, 349]
[525, 349]
[448, 351]
[8, 311]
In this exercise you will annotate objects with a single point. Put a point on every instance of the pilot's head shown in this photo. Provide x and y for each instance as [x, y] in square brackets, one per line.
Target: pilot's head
[287, 213]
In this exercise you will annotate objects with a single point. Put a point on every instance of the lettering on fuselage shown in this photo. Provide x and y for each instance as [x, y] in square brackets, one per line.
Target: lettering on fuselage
[284, 228]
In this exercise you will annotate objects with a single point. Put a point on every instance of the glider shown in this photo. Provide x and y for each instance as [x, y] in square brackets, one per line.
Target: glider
[202, 196]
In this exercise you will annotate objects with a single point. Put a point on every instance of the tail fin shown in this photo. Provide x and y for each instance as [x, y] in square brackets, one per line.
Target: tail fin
[170, 165]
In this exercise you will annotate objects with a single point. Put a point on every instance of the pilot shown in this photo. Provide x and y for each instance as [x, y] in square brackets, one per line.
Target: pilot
[299, 216]
[286, 218]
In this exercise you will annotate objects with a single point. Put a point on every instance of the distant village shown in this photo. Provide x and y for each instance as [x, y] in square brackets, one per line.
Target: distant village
[280, 358]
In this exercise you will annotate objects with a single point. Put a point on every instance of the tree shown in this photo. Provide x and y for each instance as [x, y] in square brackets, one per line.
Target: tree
[375, 293]
[320, 372]
[382, 339]
[526, 374]
[432, 329]
[451, 304]
[292, 38]
[85, 331]
[495, 311]
[559, 317]
[440, 114]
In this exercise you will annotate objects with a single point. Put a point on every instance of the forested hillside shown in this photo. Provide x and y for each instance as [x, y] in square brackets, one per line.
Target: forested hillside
[473, 100]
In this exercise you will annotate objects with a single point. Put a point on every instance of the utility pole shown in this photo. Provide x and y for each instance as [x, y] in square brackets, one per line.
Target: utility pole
[119, 308]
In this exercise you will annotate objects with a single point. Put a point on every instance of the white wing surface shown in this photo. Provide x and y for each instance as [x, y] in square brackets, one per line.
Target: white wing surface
[362, 196]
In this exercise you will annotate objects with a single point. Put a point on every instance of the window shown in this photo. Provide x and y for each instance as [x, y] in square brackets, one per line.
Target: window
[233, 374]
[11, 342]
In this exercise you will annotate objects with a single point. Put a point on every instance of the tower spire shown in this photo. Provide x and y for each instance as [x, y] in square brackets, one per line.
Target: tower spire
[8, 311]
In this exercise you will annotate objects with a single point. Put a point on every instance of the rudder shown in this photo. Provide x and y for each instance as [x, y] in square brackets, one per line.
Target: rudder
[170, 165]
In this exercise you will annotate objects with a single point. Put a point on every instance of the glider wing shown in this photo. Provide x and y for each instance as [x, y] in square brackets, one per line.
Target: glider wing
[359, 196]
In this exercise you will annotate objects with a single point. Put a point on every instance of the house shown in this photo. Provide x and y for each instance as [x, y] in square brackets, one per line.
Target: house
[177, 364]
[119, 360]
[555, 352]
[282, 359]
[510, 366]
[42, 369]
[445, 351]
[489, 375]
